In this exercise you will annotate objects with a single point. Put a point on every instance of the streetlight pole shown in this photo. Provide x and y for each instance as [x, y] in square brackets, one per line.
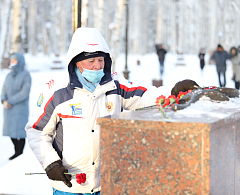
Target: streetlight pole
[126, 72]
[77, 7]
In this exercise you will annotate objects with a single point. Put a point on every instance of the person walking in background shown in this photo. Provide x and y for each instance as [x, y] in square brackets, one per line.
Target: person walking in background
[220, 57]
[239, 49]
[161, 52]
[202, 60]
[15, 98]
[235, 59]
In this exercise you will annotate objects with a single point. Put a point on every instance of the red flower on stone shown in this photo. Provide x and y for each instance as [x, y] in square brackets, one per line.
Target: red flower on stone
[213, 87]
[163, 103]
[172, 99]
[81, 178]
[181, 94]
[160, 100]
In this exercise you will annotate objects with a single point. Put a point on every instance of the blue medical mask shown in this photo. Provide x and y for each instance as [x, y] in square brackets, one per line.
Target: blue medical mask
[92, 75]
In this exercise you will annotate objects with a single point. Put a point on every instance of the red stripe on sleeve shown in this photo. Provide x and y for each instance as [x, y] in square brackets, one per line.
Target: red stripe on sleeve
[35, 124]
[131, 88]
[67, 116]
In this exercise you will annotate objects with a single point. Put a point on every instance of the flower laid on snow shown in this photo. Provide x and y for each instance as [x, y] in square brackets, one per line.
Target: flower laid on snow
[81, 178]
[160, 100]
[181, 94]
[163, 103]
[172, 100]
[212, 87]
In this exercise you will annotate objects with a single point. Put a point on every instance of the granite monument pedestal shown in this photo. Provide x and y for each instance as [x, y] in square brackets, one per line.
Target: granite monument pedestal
[185, 155]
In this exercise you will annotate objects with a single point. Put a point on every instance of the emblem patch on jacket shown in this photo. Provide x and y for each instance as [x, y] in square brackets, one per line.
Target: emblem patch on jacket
[76, 110]
[40, 100]
[109, 106]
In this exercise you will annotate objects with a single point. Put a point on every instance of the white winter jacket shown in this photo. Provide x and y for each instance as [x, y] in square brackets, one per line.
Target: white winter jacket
[64, 126]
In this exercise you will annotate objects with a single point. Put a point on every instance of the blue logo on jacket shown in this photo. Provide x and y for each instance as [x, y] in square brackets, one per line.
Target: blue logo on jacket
[76, 110]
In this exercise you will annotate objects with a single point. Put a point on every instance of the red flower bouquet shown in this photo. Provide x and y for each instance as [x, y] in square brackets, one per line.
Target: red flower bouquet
[163, 103]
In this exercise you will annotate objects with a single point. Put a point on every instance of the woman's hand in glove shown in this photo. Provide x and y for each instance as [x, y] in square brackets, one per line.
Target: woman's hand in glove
[183, 86]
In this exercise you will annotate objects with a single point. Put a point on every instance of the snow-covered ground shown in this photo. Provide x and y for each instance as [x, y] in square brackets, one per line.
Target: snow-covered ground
[13, 179]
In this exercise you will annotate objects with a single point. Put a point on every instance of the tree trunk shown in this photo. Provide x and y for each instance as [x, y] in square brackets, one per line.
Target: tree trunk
[84, 13]
[116, 31]
[100, 20]
[5, 14]
[17, 26]
[32, 28]
[63, 27]
[159, 25]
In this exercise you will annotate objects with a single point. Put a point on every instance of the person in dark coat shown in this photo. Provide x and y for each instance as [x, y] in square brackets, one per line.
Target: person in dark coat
[15, 98]
[220, 57]
[201, 56]
[161, 52]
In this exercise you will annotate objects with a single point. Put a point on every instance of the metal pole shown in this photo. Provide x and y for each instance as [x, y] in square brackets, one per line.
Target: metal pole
[79, 13]
[126, 72]
[77, 7]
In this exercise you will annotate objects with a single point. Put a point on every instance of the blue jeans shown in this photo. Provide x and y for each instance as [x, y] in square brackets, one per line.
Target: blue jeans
[161, 67]
[57, 192]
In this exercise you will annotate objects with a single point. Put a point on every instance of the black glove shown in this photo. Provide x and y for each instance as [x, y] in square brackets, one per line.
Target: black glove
[55, 172]
[184, 86]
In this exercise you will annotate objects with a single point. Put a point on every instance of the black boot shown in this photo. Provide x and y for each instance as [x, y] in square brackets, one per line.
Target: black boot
[18, 146]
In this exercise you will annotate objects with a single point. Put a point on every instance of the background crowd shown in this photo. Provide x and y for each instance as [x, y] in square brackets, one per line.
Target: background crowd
[219, 57]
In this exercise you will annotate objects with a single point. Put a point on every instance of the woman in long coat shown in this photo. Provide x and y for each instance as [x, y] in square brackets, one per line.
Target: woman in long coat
[235, 59]
[15, 98]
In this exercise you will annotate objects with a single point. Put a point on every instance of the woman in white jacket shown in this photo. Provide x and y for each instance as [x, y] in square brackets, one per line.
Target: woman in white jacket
[64, 135]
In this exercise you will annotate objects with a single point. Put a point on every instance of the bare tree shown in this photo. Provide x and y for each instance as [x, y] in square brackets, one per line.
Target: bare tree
[117, 22]
[181, 25]
[5, 14]
[17, 26]
[32, 28]
[84, 16]
[100, 19]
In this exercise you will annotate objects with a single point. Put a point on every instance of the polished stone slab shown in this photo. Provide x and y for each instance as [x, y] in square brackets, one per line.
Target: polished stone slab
[185, 155]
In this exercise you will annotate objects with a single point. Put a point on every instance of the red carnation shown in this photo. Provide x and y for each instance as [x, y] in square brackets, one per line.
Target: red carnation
[160, 100]
[213, 87]
[81, 178]
[172, 99]
[181, 94]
